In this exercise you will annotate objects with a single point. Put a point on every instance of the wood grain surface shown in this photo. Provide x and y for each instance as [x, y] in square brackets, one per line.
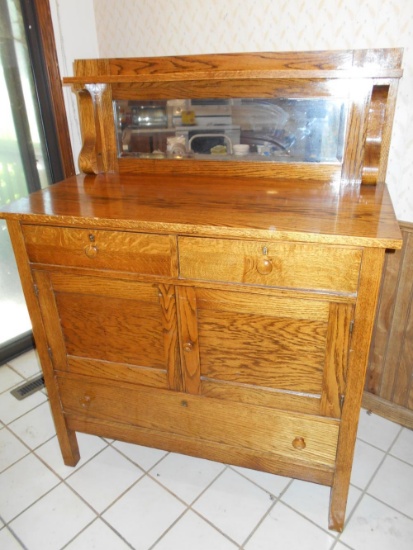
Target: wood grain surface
[232, 207]
[389, 380]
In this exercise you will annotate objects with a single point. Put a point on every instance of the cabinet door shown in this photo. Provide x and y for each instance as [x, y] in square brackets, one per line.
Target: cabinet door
[274, 350]
[111, 328]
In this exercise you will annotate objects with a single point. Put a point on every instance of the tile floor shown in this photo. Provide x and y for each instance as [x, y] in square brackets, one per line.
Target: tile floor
[124, 496]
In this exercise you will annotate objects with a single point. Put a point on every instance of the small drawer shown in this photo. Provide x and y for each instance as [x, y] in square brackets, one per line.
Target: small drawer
[100, 249]
[289, 265]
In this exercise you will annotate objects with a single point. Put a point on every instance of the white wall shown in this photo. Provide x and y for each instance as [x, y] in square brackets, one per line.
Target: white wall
[133, 28]
[75, 35]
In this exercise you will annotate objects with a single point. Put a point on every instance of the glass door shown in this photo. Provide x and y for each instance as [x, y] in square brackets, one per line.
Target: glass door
[24, 165]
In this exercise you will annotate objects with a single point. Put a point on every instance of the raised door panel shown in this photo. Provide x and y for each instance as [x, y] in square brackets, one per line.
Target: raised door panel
[277, 351]
[110, 328]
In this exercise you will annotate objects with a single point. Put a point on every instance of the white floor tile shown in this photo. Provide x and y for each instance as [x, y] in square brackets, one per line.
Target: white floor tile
[274, 485]
[11, 449]
[393, 485]
[22, 484]
[89, 446]
[8, 378]
[35, 427]
[27, 364]
[285, 529]
[144, 513]
[11, 408]
[97, 536]
[193, 533]
[104, 478]
[8, 541]
[53, 520]
[186, 476]
[312, 500]
[145, 457]
[234, 505]
[376, 430]
[403, 448]
[365, 464]
[375, 526]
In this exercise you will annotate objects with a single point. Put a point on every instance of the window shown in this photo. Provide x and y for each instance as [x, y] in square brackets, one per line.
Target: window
[34, 142]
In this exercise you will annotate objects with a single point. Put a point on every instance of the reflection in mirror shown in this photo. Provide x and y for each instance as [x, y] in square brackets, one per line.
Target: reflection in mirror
[280, 130]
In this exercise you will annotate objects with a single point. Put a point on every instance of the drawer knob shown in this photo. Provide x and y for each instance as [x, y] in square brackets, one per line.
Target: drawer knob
[299, 443]
[91, 251]
[188, 346]
[264, 265]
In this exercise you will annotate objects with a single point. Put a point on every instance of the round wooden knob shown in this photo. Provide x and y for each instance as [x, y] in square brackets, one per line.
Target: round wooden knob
[188, 346]
[264, 265]
[299, 443]
[91, 251]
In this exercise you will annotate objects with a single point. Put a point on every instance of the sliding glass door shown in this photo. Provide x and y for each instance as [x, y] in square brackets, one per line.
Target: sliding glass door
[24, 165]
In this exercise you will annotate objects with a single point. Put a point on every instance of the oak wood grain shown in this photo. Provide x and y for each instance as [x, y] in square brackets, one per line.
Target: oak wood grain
[265, 209]
[146, 254]
[245, 426]
[209, 310]
[290, 265]
[336, 359]
[254, 65]
[370, 277]
[189, 342]
[66, 436]
[218, 451]
[390, 374]
[349, 75]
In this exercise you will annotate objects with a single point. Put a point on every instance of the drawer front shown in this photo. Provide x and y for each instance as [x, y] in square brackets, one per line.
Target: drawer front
[101, 249]
[290, 265]
[294, 436]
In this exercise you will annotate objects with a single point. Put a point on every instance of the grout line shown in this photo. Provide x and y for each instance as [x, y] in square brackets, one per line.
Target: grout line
[178, 519]
[28, 411]
[111, 444]
[60, 482]
[77, 534]
[277, 499]
[17, 538]
[189, 508]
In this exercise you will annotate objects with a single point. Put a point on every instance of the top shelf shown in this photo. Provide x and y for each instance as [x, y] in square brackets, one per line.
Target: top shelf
[368, 63]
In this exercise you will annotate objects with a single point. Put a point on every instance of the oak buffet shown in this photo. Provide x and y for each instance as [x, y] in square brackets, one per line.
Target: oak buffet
[216, 306]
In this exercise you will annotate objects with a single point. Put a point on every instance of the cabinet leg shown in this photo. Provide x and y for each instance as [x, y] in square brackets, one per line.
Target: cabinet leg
[69, 447]
[336, 520]
[338, 503]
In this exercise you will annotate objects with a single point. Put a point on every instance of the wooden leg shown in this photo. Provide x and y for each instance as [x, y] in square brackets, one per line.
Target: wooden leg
[67, 438]
[370, 277]
[69, 448]
[337, 511]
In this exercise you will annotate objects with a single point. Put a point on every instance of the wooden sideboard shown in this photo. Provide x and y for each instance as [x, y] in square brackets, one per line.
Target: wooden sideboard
[219, 309]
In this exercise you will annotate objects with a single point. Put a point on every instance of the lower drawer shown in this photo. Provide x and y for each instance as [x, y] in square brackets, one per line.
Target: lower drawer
[293, 436]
